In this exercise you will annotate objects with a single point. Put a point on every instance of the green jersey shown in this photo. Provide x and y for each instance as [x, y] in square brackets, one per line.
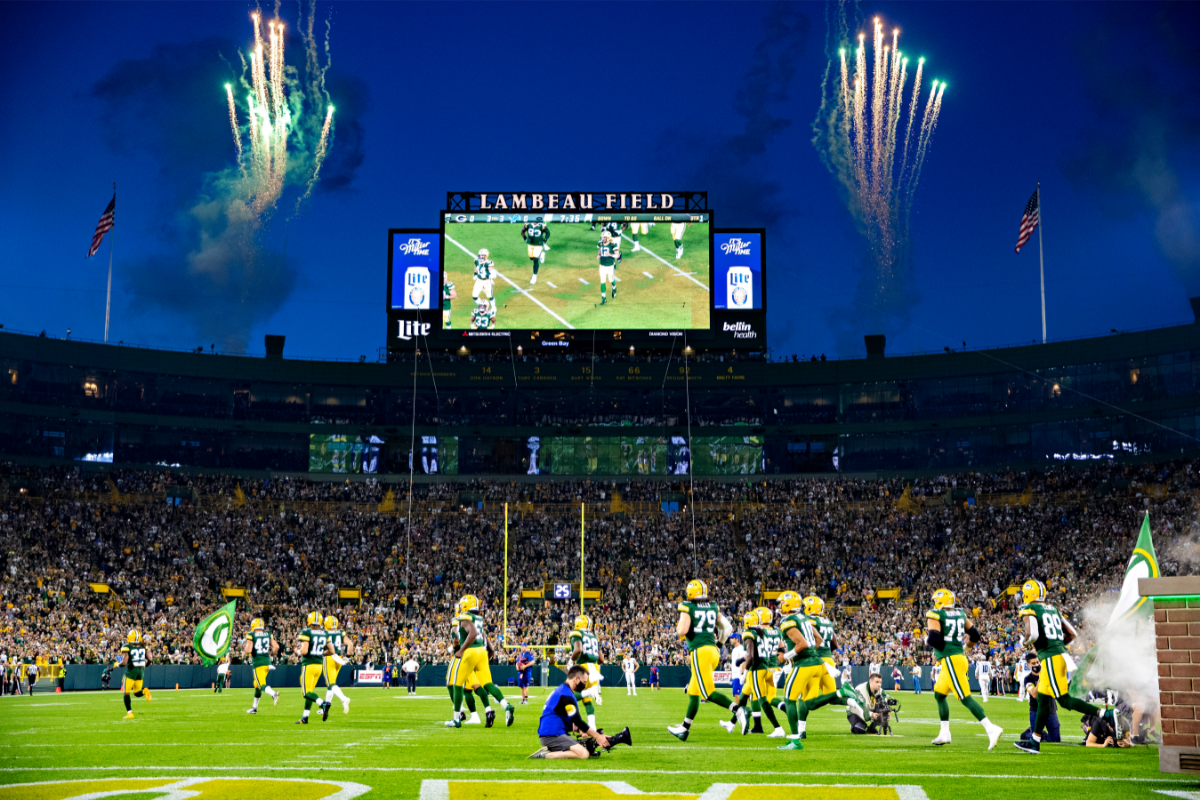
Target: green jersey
[460, 632]
[482, 317]
[447, 290]
[808, 631]
[614, 230]
[589, 646]
[769, 642]
[260, 648]
[825, 628]
[137, 661]
[954, 630]
[536, 234]
[316, 646]
[759, 636]
[484, 270]
[1049, 640]
[610, 253]
[703, 631]
[336, 639]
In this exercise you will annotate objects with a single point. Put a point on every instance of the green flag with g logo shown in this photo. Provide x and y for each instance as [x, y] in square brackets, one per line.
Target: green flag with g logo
[215, 634]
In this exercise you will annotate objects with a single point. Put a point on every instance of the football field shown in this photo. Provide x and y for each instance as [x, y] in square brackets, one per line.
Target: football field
[656, 291]
[200, 744]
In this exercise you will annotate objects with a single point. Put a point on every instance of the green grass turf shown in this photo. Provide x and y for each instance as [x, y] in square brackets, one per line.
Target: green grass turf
[392, 742]
[665, 300]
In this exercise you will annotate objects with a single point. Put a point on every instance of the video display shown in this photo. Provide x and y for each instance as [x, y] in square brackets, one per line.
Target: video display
[341, 454]
[601, 271]
[644, 455]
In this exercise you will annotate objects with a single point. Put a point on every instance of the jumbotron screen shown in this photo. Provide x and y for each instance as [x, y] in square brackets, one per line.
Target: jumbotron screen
[620, 271]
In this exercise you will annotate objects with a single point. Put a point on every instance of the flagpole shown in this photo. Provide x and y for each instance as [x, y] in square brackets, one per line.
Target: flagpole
[113, 233]
[1041, 261]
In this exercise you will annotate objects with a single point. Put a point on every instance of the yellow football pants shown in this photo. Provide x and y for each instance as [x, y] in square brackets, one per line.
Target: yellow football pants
[760, 685]
[1054, 676]
[953, 676]
[801, 677]
[130, 686]
[474, 663]
[704, 662]
[260, 677]
[825, 684]
[331, 671]
[310, 675]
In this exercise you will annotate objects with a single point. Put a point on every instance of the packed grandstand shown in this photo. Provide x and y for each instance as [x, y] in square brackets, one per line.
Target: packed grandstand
[874, 548]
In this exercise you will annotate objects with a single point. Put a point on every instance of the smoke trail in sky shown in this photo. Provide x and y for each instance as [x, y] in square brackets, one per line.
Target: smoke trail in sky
[856, 133]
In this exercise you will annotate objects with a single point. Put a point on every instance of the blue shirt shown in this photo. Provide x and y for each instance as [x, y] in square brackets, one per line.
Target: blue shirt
[556, 714]
[527, 656]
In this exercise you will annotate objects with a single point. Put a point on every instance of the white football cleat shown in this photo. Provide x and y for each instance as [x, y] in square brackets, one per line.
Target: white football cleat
[942, 738]
[276, 698]
[993, 733]
[743, 720]
[533, 279]
[346, 706]
[726, 724]
[776, 734]
[636, 246]
[474, 720]
[679, 253]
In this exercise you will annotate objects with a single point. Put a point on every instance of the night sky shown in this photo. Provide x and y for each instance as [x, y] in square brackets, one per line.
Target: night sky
[1101, 103]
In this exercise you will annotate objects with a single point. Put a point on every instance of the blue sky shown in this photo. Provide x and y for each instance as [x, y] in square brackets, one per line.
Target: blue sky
[638, 96]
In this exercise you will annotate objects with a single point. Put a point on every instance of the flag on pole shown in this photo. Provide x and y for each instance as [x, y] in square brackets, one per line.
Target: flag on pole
[214, 634]
[1029, 221]
[103, 226]
[1130, 610]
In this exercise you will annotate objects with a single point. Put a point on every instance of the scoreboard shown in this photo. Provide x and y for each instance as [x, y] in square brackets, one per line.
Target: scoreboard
[577, 271]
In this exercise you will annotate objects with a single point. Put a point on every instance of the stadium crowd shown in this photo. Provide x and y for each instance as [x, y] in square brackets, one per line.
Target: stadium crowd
[844, 538]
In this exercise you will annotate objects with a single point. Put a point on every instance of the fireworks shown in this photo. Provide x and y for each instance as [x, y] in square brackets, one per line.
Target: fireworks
[858, 132]
[281, 128]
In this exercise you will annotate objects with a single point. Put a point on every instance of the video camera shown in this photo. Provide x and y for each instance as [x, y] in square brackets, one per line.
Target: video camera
[876, 716]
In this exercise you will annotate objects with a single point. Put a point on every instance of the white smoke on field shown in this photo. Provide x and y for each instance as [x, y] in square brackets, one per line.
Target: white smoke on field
[1125, 656]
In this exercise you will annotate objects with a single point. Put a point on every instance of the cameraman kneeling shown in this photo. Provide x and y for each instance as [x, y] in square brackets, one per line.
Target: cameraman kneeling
[871, 708]
[561, 714]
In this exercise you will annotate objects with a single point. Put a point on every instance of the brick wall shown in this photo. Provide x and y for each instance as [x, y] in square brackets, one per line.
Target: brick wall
[1177, 630]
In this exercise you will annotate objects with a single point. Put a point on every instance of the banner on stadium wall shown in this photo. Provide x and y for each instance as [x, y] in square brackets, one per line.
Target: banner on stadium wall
[369, 676]
[723, 678]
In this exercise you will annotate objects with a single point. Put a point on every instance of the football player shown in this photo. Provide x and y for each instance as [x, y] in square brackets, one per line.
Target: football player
[700, 623]
[259, 647]
[336, 647]
[134, 660]
[537, 237]
[823, 689]
[948, 628]
[761, 643]
[470, 659]
[483, 316]
[1050, 634]
[485, 276]
[642, 228]
[586, 653]
[608, 258]
[802, 641]
[677, 229]
[448, 294]
[310, 647]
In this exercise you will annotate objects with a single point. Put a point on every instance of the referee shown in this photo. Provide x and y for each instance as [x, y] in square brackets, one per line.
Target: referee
[560, 713]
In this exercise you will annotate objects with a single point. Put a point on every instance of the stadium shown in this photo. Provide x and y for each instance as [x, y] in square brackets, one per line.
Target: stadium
[585, 501]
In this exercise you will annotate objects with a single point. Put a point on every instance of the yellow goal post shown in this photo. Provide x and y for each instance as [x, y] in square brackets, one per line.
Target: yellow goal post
[582, 585]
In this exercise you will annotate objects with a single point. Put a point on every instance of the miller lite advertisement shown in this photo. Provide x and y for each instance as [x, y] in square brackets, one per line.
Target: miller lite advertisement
[415, 270]
[737, 258]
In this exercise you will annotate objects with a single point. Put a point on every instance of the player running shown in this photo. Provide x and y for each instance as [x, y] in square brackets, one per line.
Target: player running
[761, 644]
[822, 689]
[336, 647]
[636, 229]
[1050, 634]
[485, 277]
[259, 647]
[310, 645]
[804, 657]
[134, 660]
[448, 294]
[537, 240]
[947, 628]
[470, 660]
[608, 258]
[483, 316]
[586, 653]
[700, 623]
[677, 229]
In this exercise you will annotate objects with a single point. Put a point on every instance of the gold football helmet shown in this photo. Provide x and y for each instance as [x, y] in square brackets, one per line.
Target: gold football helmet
[751, 619]
[764, 615]
[789, 602]
[1034, 591]
[256, 624]
[314, 619]
[697, 590]
[469, 602]
[943, 598]
[813, 606]
[583, 623]
[331, 623]
[134, 636]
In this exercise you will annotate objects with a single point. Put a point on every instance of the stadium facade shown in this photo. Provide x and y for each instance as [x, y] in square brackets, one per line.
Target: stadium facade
[1125, 396]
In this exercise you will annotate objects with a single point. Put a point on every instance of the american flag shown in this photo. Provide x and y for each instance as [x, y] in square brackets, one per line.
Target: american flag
[103, 226]
[1029, 221]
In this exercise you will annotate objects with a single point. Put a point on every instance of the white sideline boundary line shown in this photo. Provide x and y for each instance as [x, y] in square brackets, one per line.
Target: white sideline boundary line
[518, 288]
[643, 249]
[552, 771]
[648, 275]
[440, 790]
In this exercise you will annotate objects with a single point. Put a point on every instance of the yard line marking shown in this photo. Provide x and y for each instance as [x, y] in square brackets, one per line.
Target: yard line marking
[625, 771]
[518, 288]
[585, 283]
[648, 275]
[665, 264]
[551, 285]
